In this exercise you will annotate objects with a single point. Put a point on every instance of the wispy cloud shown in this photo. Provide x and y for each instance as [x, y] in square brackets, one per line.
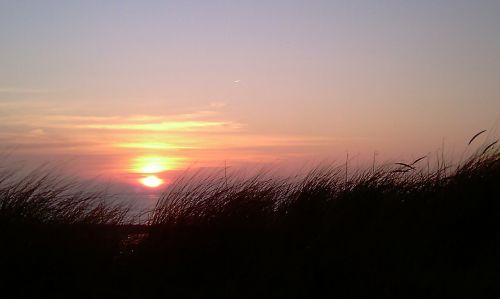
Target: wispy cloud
[25, 128]
[152, 123]
[164, 126]
[147, 132]
[153, 145]
[200, 135]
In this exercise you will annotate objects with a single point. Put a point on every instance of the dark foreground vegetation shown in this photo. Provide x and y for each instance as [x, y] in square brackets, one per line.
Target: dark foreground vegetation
[399, 231]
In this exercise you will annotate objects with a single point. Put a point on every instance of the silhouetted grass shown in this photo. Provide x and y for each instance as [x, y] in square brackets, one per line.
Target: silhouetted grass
[57, 238]
[42, 197]
[399, 230]
[396, 231]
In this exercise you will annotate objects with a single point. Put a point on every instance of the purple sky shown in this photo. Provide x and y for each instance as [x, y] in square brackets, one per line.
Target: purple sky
[103, 84]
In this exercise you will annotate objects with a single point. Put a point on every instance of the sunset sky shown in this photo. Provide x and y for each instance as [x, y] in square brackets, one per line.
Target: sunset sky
[134, 91]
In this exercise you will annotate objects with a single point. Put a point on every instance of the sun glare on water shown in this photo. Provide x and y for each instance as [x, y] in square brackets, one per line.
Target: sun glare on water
[151, 181]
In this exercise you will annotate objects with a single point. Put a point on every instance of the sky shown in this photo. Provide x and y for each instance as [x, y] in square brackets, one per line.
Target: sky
[138, 91]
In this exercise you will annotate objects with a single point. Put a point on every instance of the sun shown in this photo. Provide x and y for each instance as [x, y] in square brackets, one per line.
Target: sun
[151, 181]
[150, 170]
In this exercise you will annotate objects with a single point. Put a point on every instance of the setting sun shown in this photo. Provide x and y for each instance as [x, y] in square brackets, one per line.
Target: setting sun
[150, 170]
[151, 181]
[249, 148]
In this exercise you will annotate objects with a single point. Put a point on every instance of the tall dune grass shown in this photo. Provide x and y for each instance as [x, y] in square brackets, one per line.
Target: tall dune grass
[58, 237]
[203, 198]
[398, 230]
[383, 231]
[43, 197]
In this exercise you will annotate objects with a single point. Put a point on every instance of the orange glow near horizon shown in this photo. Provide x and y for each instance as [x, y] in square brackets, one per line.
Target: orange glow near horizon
[170, 90]
[151, 181]
[154, 164]
[151, 169]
